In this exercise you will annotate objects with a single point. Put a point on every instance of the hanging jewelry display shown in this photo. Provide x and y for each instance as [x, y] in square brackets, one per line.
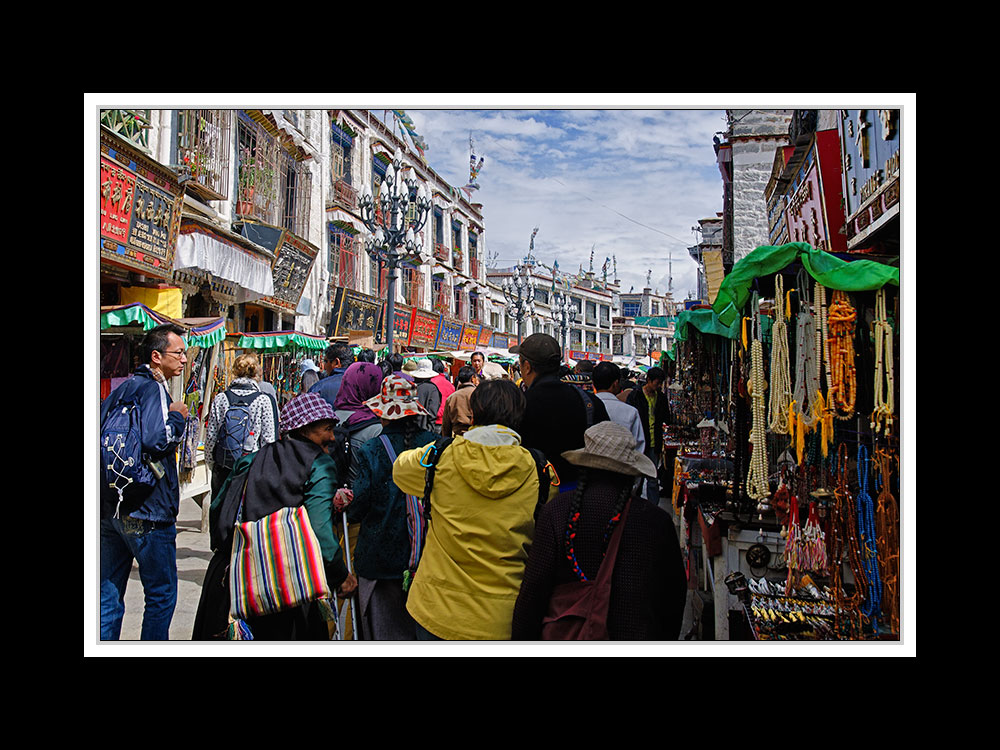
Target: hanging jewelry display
[806, 407]
[843, 376]
[887, 536]
[871, 606]
[757, 484]
[843, 547]
[781, 385]
[885, 385]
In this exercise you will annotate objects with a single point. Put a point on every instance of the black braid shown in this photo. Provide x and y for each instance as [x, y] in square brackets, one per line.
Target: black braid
[411, 427]
[628, 489]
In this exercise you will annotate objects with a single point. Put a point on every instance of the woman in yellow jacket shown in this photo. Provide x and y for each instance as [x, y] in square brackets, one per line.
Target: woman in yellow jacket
[481, 524]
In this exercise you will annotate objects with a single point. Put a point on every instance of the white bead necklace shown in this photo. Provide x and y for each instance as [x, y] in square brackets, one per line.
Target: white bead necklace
[885, 399]
[806, 375]
[781, 383]
[757, 486]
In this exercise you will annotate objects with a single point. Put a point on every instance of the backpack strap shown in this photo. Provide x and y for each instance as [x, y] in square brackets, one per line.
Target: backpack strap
[545, 479]
[415, 523]
[429, 461]
[588, 406]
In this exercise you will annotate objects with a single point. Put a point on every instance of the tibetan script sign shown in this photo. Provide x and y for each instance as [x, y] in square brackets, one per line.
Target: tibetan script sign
[470, 337]
[449, 335]
[401, 326]
[423, 329]
[500, 341]
[354, 311]
[290, 270]
[140, 210]
[485, 336]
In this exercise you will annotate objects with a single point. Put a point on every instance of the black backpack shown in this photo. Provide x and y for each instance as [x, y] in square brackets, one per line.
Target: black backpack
[234, 437]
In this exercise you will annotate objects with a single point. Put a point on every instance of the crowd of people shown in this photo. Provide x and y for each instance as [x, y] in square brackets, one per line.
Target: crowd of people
[462, 506]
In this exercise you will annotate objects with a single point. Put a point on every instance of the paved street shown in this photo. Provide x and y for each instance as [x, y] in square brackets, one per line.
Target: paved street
[193, 554]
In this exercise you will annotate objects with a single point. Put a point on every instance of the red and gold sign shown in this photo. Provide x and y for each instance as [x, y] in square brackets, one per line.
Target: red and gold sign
[423, 329]
[470, 337]
[485, 336]
[140, 205]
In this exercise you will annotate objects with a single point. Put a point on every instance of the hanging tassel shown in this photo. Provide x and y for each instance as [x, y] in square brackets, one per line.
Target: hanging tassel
[238, 631]
[800, 442]
[788, 304]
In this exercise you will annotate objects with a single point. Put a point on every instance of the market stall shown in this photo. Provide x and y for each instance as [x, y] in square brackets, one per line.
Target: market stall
[122, 328]
[788, 452]
[281, 354]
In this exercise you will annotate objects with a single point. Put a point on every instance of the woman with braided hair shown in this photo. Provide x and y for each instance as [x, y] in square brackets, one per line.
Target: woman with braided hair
[648, 586]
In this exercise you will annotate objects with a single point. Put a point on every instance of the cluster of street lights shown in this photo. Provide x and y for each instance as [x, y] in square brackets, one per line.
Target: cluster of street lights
[519, 291]
[393, 237]
[564, 314]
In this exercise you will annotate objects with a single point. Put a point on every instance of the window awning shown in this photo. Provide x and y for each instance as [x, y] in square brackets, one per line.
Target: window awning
[210, 250]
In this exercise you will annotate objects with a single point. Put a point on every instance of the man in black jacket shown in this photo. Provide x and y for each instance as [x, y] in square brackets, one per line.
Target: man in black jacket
[557, 413]
[654, 411]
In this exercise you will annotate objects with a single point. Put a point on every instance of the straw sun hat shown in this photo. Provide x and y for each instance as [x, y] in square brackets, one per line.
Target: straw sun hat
[610, 446]
[397, 399]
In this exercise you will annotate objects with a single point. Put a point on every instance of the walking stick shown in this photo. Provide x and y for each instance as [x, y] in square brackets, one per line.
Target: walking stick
[353, 599]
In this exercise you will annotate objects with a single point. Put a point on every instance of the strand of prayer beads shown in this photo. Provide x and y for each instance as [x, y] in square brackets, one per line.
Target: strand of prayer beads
[887, 535]
[781, 385]
[885, 385]
[843, 375]
[757, 485]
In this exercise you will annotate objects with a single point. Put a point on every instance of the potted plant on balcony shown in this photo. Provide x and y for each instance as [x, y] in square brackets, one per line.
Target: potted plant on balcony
[253, 178]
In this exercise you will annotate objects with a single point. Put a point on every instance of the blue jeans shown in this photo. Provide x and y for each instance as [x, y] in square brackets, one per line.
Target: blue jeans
[154, 546]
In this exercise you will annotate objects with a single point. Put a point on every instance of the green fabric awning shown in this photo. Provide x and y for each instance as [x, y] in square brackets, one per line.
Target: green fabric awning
[827, 269]
[127, 315]
[207, 335]
[275, 340]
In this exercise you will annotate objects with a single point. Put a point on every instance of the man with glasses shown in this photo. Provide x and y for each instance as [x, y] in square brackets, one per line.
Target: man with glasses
[147, 533]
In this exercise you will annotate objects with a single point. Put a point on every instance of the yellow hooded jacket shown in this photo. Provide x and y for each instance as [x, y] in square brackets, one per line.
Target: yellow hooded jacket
[482, 522]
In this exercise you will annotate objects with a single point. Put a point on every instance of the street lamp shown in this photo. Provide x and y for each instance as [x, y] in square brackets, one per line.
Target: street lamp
[393, 238]
[519, 290]
[564, 315]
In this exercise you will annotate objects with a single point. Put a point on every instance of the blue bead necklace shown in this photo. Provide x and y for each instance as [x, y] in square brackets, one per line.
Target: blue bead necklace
[872, 606]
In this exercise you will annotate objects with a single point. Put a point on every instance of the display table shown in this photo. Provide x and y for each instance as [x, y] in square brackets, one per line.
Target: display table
[735, 543]
[198, 486]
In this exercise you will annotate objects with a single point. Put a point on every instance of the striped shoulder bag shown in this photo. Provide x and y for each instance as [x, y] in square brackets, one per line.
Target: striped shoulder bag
[276, 564]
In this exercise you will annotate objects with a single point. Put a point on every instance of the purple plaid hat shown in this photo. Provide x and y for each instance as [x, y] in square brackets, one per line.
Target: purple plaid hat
[304, 409]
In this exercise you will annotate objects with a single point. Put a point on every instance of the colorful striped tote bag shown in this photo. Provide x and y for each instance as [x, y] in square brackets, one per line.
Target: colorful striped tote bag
[276, 564]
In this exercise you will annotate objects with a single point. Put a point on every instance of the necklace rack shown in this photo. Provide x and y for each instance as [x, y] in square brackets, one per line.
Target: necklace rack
[872, 605]
[806, 408]
[844, 542]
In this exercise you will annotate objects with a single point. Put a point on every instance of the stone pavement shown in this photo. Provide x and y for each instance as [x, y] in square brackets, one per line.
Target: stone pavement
[193, 554]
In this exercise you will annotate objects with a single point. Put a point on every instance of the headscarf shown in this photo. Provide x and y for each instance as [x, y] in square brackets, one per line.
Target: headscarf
[361, 381]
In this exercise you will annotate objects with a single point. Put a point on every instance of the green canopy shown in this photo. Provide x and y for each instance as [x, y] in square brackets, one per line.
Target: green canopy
[126, 315]
[827, 269]
[275, 340]
[705, 321]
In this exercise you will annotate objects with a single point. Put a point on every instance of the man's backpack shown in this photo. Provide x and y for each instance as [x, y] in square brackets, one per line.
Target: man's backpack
[235, 437]
[127, 476]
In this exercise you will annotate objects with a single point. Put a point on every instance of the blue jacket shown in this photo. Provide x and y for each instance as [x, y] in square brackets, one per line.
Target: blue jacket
[329, 386]
[162, 432]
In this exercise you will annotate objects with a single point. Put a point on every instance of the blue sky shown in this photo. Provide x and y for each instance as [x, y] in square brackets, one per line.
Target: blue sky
[627, 183]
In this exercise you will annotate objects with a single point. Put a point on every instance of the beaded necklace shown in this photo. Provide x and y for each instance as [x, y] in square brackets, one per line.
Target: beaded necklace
[885, 386]
[843, 375]
[803, 411]
[781, 386]
[872, 605]
[887, 535]
[843, 540]
[757, 485]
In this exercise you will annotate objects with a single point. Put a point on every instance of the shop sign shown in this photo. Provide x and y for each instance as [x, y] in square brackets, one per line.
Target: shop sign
[500, 341]
[140, 211]
[470, 337]
[485, 336]
[290, 271]
[870, 164]
[449, 336]
[423, 329]
[401, 325]
[354, 312]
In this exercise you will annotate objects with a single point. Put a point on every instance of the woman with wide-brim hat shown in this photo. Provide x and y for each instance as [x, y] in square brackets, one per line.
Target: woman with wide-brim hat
[648, 582]
[382, 553]
[296, 470]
